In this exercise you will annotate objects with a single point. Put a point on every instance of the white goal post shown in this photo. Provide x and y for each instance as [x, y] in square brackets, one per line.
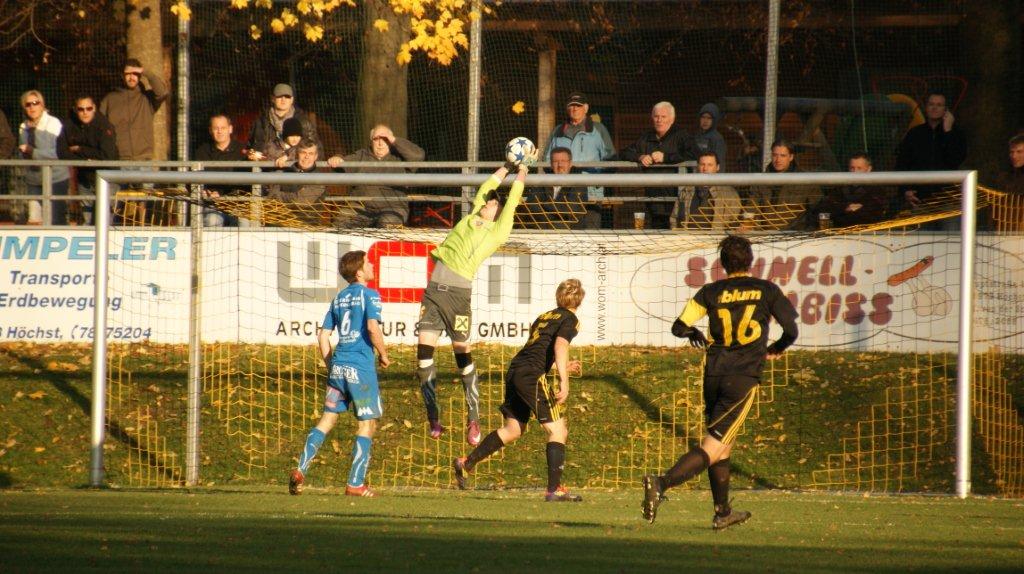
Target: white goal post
[966, 180]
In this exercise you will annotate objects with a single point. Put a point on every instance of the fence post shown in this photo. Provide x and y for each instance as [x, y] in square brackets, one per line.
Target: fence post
[771, 80]
[473, 118]
[47, 181]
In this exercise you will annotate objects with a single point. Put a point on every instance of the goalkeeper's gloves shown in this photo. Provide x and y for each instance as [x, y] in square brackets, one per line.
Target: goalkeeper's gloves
[530, 159]
[511, 166]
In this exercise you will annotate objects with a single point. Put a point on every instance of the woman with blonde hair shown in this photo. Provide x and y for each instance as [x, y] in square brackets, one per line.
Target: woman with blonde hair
[527, 391]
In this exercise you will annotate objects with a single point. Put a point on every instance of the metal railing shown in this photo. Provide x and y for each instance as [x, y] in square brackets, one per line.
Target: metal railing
[47, 198]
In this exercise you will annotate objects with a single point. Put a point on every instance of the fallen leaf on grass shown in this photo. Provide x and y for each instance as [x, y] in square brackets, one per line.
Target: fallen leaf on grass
[407, 424]
[37, 395]
[40, 448]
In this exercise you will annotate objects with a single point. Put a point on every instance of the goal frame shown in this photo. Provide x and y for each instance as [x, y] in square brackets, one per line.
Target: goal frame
[967, 180]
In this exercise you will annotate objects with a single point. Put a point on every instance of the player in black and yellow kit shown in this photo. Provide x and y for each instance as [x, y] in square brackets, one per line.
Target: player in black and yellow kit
[527, 391]
[739, 308]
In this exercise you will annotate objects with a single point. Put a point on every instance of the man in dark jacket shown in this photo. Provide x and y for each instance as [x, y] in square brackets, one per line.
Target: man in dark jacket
[270, 124]
[658, 149]
[853, 204]
[389, 151]
[221, 147]
[935, 145]
[88, 135]
[780, 207]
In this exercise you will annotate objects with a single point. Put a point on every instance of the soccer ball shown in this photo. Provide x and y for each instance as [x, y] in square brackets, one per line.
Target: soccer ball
[520, 150]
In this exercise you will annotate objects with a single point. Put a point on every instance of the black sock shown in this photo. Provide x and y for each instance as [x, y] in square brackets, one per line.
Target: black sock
[556, 464]
[718, 476]
[688, 466]
[491, 444]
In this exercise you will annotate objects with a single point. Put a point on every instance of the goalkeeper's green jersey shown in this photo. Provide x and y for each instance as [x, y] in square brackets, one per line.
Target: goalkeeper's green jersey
[474, 239]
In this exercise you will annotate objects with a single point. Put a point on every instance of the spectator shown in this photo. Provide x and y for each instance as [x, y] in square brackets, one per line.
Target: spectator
[853, 205]
[88, 136]
[1012, 181]
[659, 148]
[302, 197]
[714, 207]
[38, 137]
[1008, 211]
[709, 139]
[130, 110]
[269, 126]
[559, 207]
[935, 145]
[221, 147]
[783, 206]
[7, 139]
[388, 151]
[586, 139]
[282, 150]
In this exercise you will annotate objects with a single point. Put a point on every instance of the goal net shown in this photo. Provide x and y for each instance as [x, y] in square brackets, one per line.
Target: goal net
[864, 401]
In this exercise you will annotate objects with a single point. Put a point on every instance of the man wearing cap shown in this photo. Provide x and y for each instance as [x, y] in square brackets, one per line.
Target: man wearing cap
[586, 139]
[269, 126]
[130, 109]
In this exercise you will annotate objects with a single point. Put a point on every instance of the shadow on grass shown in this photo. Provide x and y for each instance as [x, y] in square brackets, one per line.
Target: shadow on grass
[5, 480]
[653, 414]
[84, 403]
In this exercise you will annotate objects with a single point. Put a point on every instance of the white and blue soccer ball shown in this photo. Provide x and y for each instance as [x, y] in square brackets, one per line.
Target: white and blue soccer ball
[520, 150]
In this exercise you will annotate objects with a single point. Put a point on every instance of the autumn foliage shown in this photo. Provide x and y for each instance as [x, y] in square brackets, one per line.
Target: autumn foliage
[437, 28]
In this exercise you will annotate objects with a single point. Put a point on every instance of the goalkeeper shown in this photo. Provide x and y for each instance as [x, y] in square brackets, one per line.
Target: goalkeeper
[446, 304]
[739, 308]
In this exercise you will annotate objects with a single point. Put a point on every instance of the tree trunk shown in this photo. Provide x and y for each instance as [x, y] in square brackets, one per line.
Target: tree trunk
[145, 42]
[991, 55]
[383, 83]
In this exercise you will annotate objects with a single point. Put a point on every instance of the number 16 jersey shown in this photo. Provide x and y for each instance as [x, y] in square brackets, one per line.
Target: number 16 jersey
[739, 309]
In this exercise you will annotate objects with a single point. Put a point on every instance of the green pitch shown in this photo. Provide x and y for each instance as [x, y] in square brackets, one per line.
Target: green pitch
[498, 531]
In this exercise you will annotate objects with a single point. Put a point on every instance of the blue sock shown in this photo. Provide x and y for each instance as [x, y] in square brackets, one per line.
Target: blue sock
[360, 460]
[314, 439]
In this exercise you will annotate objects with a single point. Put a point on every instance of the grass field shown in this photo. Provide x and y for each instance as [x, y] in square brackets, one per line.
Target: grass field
[499, 531]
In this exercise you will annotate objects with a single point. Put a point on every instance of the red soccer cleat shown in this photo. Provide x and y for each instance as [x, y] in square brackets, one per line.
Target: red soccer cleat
[295, 482]
[363, 490]
[560, 494]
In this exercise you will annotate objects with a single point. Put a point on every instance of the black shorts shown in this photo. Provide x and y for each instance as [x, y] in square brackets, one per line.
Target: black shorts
[446, 308]
[527, 393]
[727, 400]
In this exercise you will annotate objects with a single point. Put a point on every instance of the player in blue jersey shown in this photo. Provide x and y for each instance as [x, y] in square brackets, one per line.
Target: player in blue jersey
[351, 376]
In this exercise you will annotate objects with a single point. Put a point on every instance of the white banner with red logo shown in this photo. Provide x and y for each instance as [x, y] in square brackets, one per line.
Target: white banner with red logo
[893, 293]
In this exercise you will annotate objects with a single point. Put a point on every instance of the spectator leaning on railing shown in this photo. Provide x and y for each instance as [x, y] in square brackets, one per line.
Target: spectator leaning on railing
[37, 137]
[87, 136]
[220, 148]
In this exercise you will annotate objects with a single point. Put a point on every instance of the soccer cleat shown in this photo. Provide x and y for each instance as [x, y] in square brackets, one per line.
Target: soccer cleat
[295, 482]
[473, 433]
[460, 472]
[363, 490]
[653, 496]
[562, 495]
[436, 430]
[734, 517]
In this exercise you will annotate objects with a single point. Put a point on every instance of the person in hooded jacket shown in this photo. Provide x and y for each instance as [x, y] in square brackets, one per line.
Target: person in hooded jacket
[708, 139]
